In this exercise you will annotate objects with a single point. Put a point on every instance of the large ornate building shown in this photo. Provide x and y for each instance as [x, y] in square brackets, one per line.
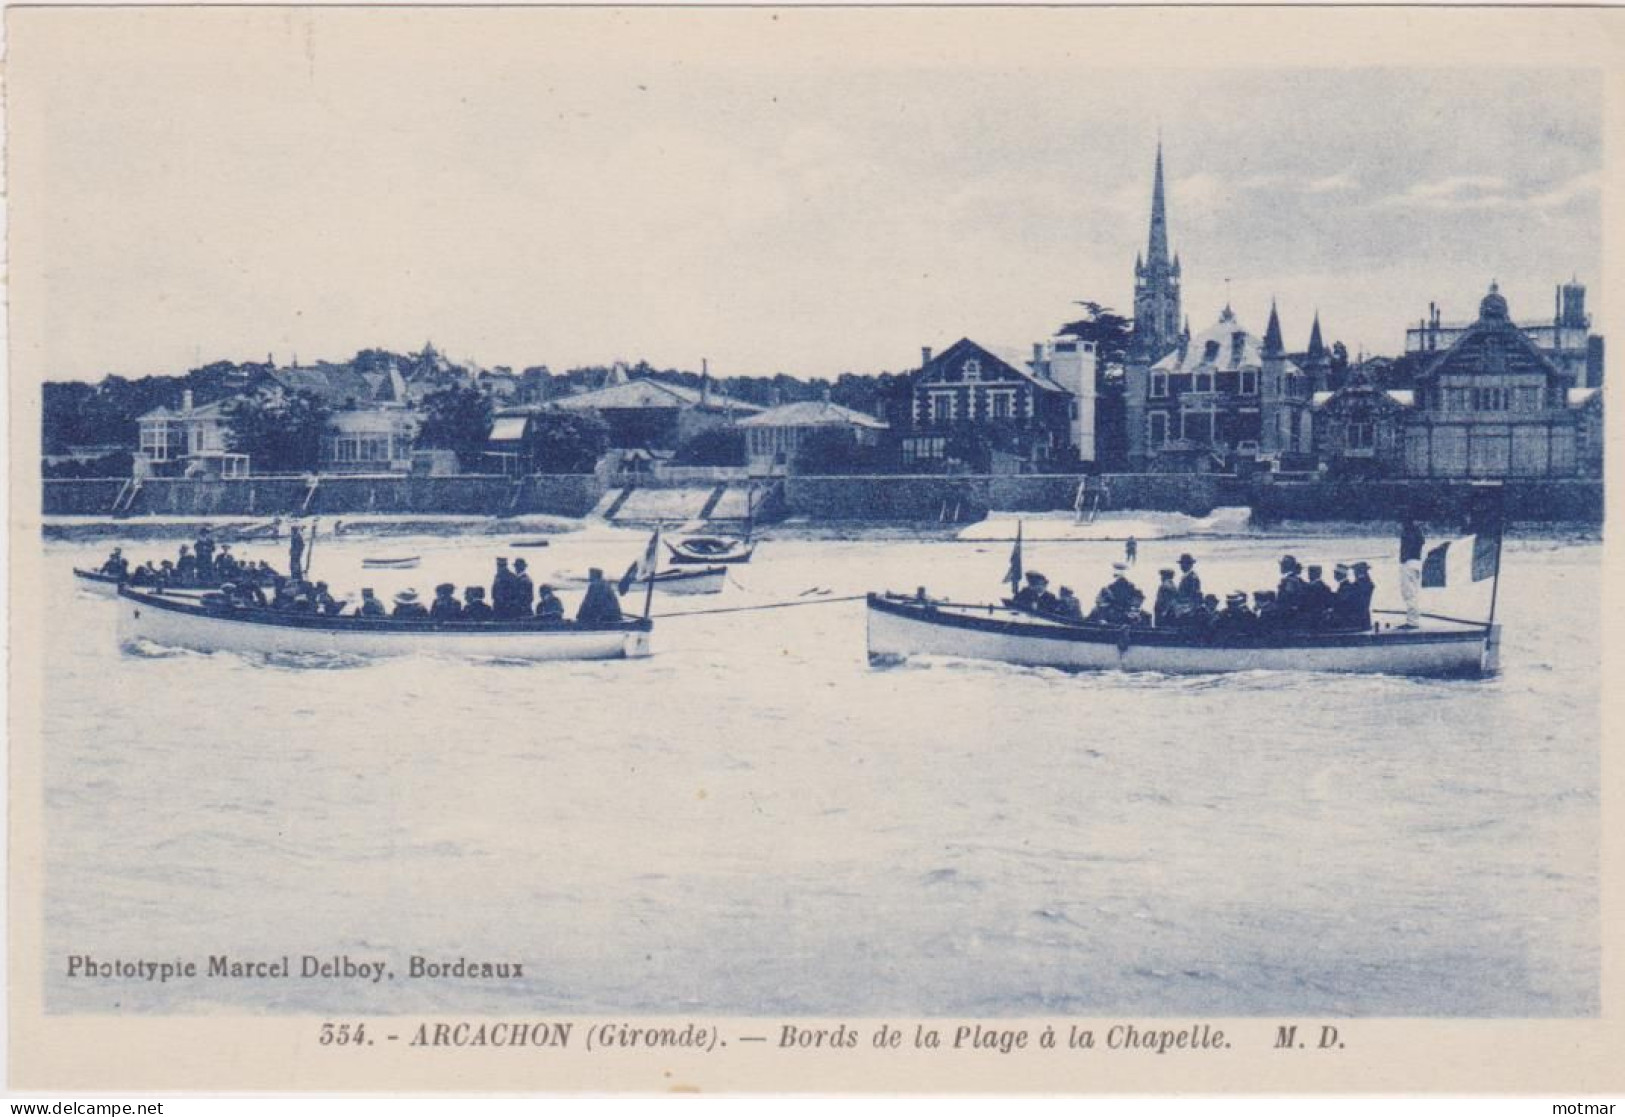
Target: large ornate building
[1494, 403]
[1566, 339]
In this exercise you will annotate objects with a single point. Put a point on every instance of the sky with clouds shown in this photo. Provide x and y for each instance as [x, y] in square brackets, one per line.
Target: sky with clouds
[547, 193]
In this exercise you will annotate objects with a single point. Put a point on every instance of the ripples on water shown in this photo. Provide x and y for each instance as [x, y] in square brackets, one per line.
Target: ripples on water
[753, 821]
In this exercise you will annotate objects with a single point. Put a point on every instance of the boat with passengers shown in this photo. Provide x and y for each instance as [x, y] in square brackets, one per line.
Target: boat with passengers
[202, 624]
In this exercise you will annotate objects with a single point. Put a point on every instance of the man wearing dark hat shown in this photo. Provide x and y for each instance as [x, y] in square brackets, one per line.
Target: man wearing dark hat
[1162, 609]
[1364, 587]
[548, 606]
[1027, 598]
[1188, 605]
[203, 548]
[1318, 601]
[475, 607]
[524, 591]
[370, 605]
[502, 590]
[408, 607]
[1268, 607]
[1289, 592]
[599, 605]
[445, 606]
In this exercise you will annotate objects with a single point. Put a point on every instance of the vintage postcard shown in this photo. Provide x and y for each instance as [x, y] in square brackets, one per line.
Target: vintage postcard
[1032, 550]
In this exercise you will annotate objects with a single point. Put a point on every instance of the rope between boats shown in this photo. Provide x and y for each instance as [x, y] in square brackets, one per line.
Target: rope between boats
[757, 608]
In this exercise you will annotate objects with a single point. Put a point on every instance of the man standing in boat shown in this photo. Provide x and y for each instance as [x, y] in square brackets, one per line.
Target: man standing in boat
[1188, 605]
[1363, 589]
[524, 591]
[502, 591]
[1411, 542]
[203, 548]
[599, 605]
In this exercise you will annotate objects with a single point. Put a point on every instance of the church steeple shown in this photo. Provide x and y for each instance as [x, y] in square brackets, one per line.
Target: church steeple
[1156, 279]
[1157, 253]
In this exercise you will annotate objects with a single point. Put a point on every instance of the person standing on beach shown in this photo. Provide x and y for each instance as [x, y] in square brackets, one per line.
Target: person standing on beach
[1411, 542]
[296, 554]
[1131, 550]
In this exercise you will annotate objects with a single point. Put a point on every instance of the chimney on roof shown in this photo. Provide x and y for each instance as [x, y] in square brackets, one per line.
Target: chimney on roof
[925, 355]
[1038, 353]
[186, 401]
[705, 382]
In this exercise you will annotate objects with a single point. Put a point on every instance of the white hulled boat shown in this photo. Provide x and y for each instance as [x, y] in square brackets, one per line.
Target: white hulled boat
[184, 622]
[901, 627]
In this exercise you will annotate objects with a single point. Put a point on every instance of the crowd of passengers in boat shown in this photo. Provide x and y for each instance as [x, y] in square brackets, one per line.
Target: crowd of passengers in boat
[1302, 601]
[233, 584]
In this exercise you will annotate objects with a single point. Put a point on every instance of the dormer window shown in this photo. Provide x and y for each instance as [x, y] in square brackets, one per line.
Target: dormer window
[1159, 385]
[1238, 342]
[971, 371]
[1210, 352]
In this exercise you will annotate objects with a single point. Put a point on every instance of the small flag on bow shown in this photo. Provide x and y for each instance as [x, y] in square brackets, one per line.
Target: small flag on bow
[1013, 575]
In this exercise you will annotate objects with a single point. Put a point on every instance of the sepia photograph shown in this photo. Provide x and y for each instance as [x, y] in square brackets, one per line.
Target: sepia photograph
[694, 537]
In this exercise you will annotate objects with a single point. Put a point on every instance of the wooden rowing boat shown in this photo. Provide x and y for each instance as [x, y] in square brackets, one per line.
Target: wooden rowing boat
[702, 550]
[189, 623]
[901, 627]
[709, 580]
[406, 562]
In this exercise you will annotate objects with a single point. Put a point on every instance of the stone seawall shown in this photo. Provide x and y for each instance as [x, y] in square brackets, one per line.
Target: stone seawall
[559, 495]
[931, 498]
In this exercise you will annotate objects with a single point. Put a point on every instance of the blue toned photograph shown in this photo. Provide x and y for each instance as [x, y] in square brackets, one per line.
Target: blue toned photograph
[685, 514]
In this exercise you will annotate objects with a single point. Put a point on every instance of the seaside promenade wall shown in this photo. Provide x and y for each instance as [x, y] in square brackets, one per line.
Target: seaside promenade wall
[559, 495]
[938, 498]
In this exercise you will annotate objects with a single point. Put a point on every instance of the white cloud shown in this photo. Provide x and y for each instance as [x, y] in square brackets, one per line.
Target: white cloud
[1484, 192]
[1342, 180]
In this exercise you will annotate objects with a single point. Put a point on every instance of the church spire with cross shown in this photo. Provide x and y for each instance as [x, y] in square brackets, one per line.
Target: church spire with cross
[1156, 280]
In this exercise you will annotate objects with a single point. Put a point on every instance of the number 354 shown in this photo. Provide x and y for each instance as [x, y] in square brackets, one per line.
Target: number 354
[343, 1035]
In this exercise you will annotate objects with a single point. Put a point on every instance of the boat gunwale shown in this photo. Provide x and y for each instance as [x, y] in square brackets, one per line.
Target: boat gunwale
[381, 626]
[1140, 636]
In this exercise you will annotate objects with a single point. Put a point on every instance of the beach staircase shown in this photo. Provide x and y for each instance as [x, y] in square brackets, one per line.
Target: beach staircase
[713, 500]
[124, 500]
[613, 501]
[729, 504]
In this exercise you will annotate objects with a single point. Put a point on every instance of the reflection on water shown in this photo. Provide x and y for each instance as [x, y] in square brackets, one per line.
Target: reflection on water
[753, 821]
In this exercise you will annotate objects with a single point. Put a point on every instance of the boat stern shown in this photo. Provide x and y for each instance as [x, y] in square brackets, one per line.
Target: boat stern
[1491, 662]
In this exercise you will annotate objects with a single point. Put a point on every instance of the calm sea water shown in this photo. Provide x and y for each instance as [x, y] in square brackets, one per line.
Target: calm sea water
[754, 821]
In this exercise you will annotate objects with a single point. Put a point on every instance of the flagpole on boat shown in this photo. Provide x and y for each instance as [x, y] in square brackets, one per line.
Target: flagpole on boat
[654, 564]
[1500, 534]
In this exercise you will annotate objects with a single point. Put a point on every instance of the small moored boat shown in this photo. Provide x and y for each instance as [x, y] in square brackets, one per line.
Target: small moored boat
[709, 580]
[405, 562]
[188, 623]
[901, 627]
[702, 550]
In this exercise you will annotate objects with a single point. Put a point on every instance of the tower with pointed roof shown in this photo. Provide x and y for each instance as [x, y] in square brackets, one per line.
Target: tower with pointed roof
[1317, 363]
[1156, 282]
